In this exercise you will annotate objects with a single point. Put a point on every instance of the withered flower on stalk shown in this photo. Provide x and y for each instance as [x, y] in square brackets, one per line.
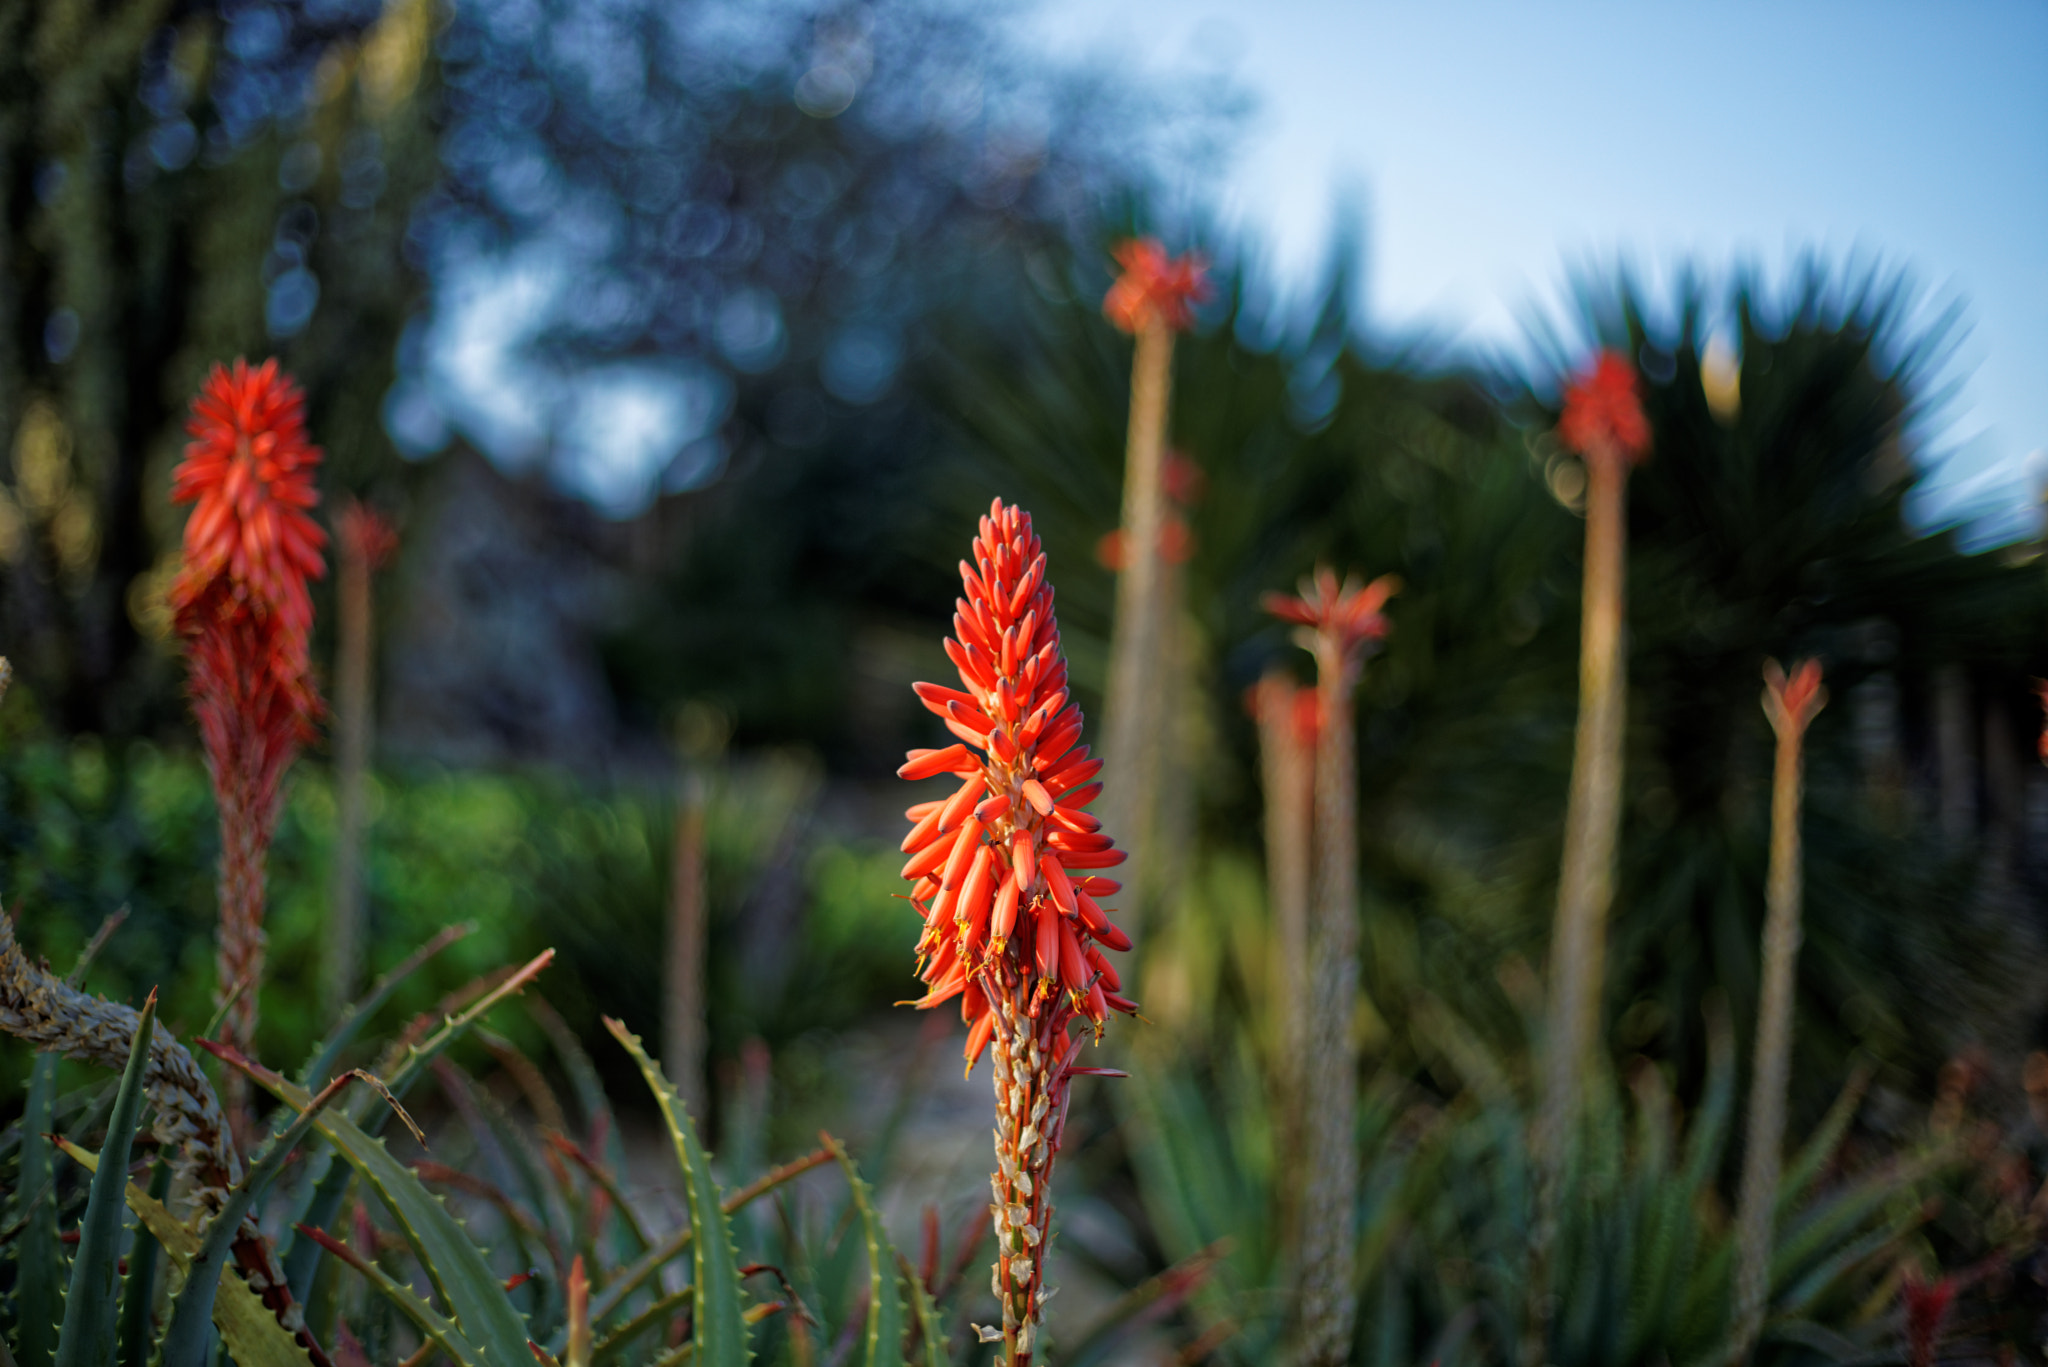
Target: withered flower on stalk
[1004, 874]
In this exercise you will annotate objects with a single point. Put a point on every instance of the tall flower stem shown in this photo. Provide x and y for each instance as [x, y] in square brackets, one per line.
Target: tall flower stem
[1592, 824]
[1337, 625]
[1287, 769]
[1133, 744]
[1151, 301]
[1791, 706]
[1604, 422]
[683, 1017]
[1328, 1303]
[366, 541]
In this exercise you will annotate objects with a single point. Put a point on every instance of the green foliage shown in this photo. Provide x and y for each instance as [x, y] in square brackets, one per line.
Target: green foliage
[532, 859]
[248, 1329]
[1778, 530]
[482, 1311]
[885, 1301]
[90, 1305]
[471, 1316]
[39, 1259]
[720, 1323]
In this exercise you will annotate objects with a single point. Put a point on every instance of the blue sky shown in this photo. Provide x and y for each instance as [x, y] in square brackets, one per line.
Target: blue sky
[1491, 145]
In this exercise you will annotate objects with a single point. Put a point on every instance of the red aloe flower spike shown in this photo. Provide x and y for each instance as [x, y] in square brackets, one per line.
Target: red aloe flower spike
[1011, 928]
[241, 605]
[1155, 286]
[1602, 414]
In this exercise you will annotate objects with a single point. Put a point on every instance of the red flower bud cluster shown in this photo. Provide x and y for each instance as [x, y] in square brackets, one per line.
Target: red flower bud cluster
[1154, 285]
[1005, 868]
[1603, 413]
[367, 535]
[1792, 702]
[1348, 615]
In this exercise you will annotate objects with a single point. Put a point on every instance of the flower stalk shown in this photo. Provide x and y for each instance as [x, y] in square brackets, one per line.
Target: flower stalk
[1603, 421]
[701, 734]
[1003, 873]
[1151, 300]
[1286, 717]
[367, 542]
[1339, 625]
[1791, 704]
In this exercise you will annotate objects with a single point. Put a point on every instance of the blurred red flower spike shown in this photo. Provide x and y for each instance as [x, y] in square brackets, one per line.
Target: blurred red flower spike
[1349, 613]
[1793, 702]
[1154, 286]
[367, 535]
[1603, 413]
[248, 472]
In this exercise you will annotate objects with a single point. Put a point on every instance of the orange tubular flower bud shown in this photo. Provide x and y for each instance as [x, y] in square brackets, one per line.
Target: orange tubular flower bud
[978, 1038]
[1024, 859]
[1091, 859]
[1080, 797]
[1099, 925]
[930, 858]
[976, 899]
[1046, 946]
[1073, 968]
[1056, 880]
[958, 805]
[954, 759]
[1005, 922]
[964, 846]
[926, 829]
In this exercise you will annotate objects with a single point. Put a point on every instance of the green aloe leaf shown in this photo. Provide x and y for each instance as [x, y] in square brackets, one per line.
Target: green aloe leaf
[330, 1185]
[885, 1301]
[39, 1275]
[138, 1334]
[931, 1333]
[91, 1305]
[624, 1283]
[321, 1065]
[186, 1340]
[432, 1324]
[252, 1334]
[720, 1335]
[483, 1311]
